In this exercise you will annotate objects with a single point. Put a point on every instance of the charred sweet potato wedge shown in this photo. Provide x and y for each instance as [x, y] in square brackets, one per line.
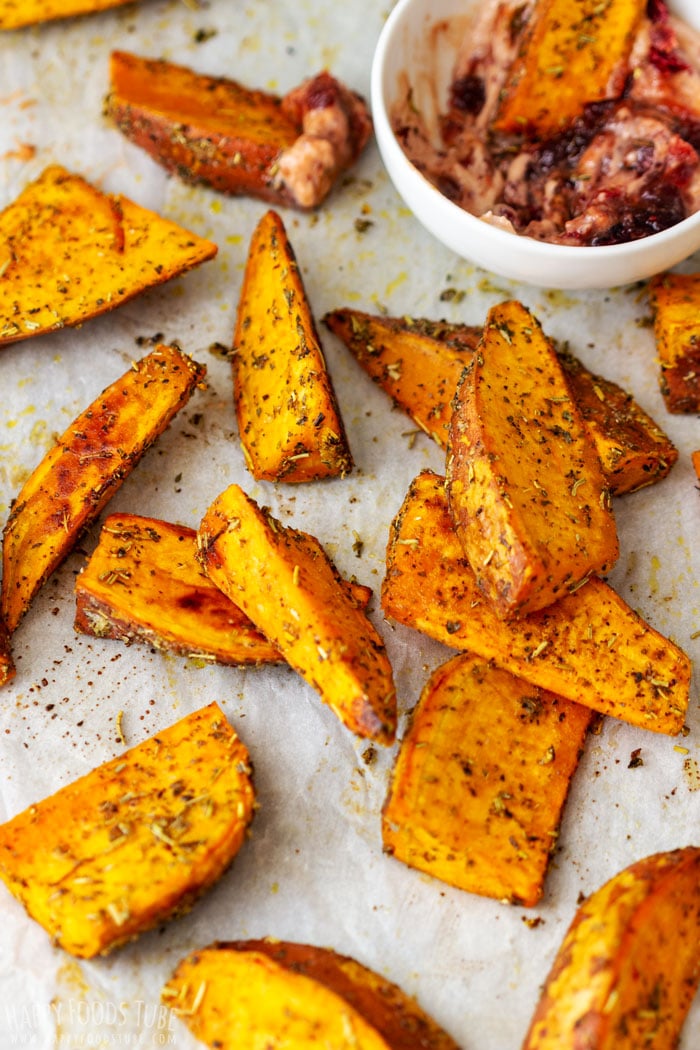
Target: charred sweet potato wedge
[286, 150]
[480, 781]
[419, 363]
[285, 582]
[627, 970]
[135, 841]
[288, 417]
[17, 13]
[675, 303]
[278, 993]
[143, 583]
[7, 664]
[524, 484]
[85, 467]
[589, 647]
[69, 253]
[569, 55]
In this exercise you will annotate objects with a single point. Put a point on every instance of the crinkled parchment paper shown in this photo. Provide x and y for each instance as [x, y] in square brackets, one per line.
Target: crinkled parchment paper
[313, 869]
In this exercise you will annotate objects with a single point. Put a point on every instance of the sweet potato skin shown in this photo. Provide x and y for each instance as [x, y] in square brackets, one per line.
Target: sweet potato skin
[481, 778]
[70, 253]
[143, 583]
[627, 970]
[570, 54]
[524, 484]
[135, 841]
[76, 478]
[675, 302]
[589, 647]
[17, 13]
[289, 422]
[278, 993]
[418, 362]
[283, 579]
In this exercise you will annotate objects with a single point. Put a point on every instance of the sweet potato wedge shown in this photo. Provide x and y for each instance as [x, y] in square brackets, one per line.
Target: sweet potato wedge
[135, 841]
[7, 664]
[76, 478]
[238, 140]
[569, 55]
[143, 583]
[419, 362]
[627, 969]
[277, 993]
[288, 417]
[283, 579]
[481, 778]
[17, 13]
[524, 484]
[675, 303]
[69, 253]
[589, 647]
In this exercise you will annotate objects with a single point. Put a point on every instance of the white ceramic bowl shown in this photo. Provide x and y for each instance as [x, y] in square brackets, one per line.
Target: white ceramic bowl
[416, 46]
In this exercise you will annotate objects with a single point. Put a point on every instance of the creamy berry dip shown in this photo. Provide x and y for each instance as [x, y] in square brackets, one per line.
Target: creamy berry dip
[626, 167]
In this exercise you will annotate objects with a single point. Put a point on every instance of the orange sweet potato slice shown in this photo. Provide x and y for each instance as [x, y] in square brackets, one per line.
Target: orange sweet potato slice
[86, 466]
[675, 303]
[135, 841]
[570, 54]
[69, 253]
[283, 579]
[627, 969]
[143, 583]
[7, 664]
[17, 13]
[589, 647]
[419, 363]
[288, 417]
[287, 151]
[524, 483]
[481, 778]
[278, 993]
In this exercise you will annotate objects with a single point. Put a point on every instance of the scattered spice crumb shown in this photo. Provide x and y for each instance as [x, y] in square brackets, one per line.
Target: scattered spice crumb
[636, 759]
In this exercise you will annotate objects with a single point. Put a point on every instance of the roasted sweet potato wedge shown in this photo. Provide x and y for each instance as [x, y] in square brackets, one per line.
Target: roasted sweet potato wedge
[589, 647]
[281, 994]
[143, 583]
[524, 483]
[135, 841]
[285, 582]
[675, 303]
[287, 151]
[569, 55]
[419, 363]
[17, 13]
[627, 970]
[481, 778]
[7, 664]
[288, 417]
[86, 466]
[69, 253]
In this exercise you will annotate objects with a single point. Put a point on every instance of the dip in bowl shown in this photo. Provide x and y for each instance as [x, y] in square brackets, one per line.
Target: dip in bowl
[414, 72]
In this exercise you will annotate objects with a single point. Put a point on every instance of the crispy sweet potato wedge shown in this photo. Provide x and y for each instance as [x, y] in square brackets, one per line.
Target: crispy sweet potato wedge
[419, 362]
[675, 303]
[628, 968]
[277, 993]
[69, 253]
[481, 778]
[7, 664]
[569, 55]
[288, 417]
[285, 582]
[287, 151]
[86, 466]
[589, 647]
[524, 484]
[135, 841]
[143, 583]
[17, 13]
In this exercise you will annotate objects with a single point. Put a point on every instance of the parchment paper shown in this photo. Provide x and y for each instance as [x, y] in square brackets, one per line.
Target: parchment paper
[313, 869]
